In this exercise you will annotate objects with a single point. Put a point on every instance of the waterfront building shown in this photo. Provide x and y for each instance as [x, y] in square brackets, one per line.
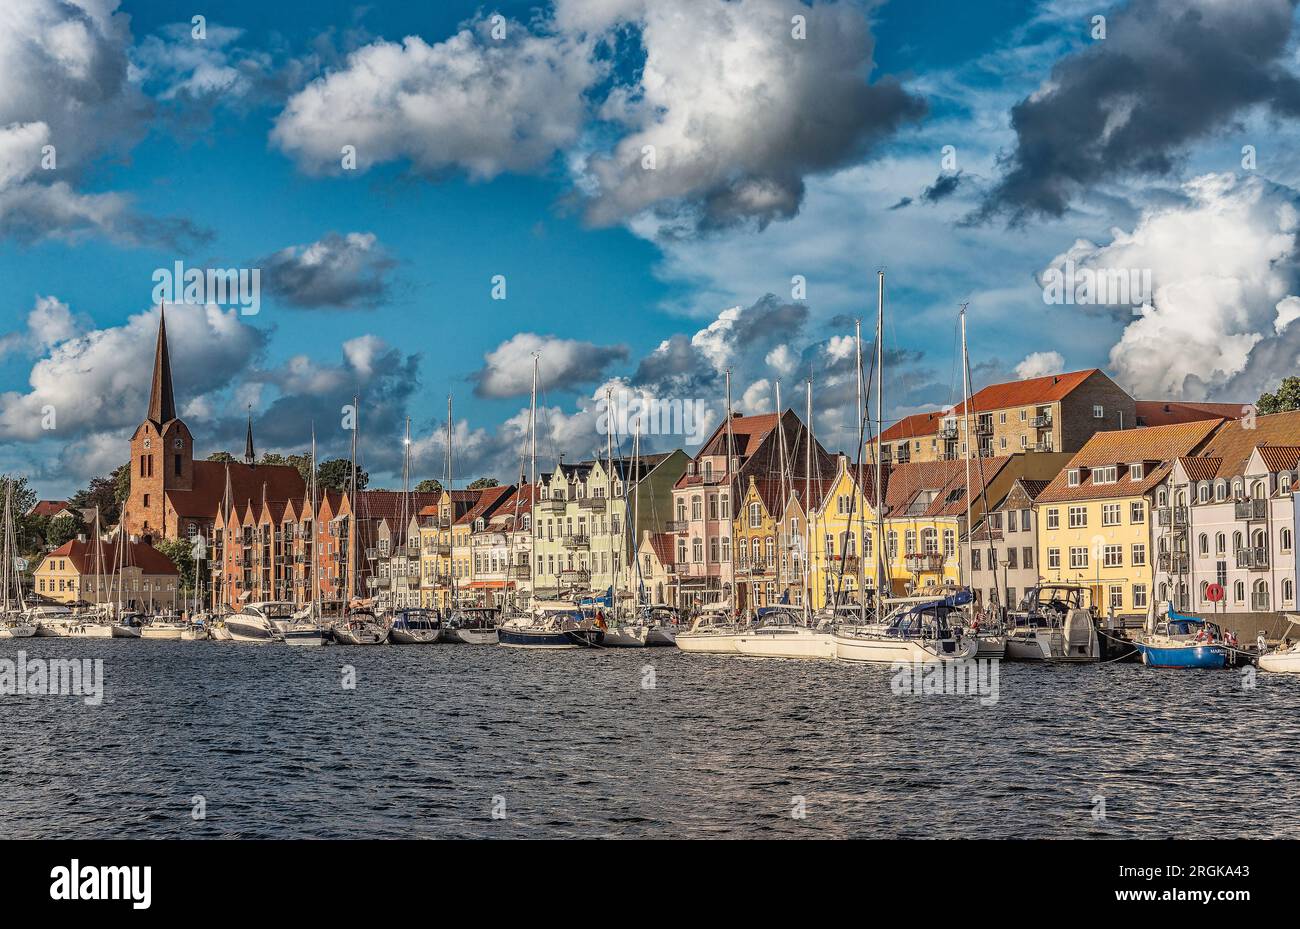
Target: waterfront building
[655, 567]
[844, 528]
[702, 524]
[1225, 516]
[436, 521]
[1094, 518]
[482, 553]
[75, 572]
[1000, 556]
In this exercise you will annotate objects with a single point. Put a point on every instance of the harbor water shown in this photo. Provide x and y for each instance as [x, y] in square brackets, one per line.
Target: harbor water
[205, 739]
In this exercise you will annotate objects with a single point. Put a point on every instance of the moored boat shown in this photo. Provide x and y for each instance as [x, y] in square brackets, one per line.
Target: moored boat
[781, 632]
[1283, 661]
[472, 626]
[551, 628]
[257, 622]
[918, 629]
[1181, 641]
[360, 627]
[714, 632]
[415, 626]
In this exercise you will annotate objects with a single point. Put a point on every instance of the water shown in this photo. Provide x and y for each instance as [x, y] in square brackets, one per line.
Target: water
[572, 744]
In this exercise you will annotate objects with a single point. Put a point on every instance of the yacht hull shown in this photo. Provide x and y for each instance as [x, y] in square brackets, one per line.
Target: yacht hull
[304, 637]
[1281, 662]
[362, 635]
[161, 632]
[786, 642]
[567, 638]
[990, 646]
[22, 631]
[661, 636]
[1189, 656]
[220, 634]
[721, 643]
[884, 650]
[627, 637]
[471, 636]
[414, 636]
[242, 631]
[126, 632]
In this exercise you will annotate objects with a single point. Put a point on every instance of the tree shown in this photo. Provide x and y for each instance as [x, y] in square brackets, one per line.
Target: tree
[301, 462]
[221, 456]
[1286, 399]
[122, 484]
[336, 474]
[483, 482]
[100, 493]
[24, 497]
[63, 529]
[181, 553]
[430, 485]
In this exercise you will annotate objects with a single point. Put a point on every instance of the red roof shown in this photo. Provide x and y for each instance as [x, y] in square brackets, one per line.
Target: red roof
[1033, 390]
[388, 504]
[48, 507]
[488, 500]
[914, 427]
[1167, 412]
[247, 483]
[82, 555]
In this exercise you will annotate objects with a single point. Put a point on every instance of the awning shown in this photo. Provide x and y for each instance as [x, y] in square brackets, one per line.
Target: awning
[489, 585]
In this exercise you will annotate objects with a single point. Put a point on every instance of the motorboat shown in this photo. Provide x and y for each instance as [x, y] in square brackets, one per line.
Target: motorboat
[263, 621]
[472, 626]
[714, 632]
[164, 628]
[663, 622]
[415, 626]
[917, 629]
[1181, 641]
[784, 632]
[57, 621]
[127, 626]
[1056, 622]
[16, 626]
[552, 627]
[360, 627]
[1283, 661]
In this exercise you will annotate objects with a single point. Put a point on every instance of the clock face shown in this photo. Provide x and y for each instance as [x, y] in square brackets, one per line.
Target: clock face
[178, 444]
[148, 442]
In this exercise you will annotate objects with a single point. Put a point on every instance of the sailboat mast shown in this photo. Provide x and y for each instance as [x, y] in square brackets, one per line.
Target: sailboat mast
[862, 512]
[609, 483]
[785, 497]
[965, 394]
[450, 479]
[315, 510]
[354, 540]
[807, 515]
[732, 502]
[882, 554]
[8, 552]
[634, 577]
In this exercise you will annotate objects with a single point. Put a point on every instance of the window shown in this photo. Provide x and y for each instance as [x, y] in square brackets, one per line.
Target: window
[1203, 544]
[1078, 556]
[1053, 519]
[1220, 543]
[1028, 557]
[974, 559]
[1137, 512]
[1139, 596]
[1011, 520]
[1203, 494]
[1098, 412]
[1054, 558]
[1136, 471]
[1113, 556]
[697, 508]
[1106, 475]
[1284, 482]
[1072, 477]
[1110, 514]
[1239, 591]
[1078, 517]
[1011, 559]
[697, 550]
[1116, 597]
[1002, 419]
[1288, 589]
[1139, 553]
[726, 550]
[755, 516]
[949, 543]
[1284, 539]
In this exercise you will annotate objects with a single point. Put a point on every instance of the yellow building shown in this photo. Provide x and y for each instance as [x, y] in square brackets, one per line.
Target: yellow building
[1094, 518]
[75, 571]
[758, 575]
[844, 535]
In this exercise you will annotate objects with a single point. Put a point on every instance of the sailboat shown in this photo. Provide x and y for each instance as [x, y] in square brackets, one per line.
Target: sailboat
[623, 631]
[1181, 641]
[359, 625]
[1283, 661]
[784, 631]
[13, 625]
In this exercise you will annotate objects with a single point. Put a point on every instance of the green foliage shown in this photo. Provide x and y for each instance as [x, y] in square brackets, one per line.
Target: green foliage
[24, 497]
[430, 485]
[121, 484]
[101, 492]
[483, 482]
[336, 474]
[63, 529]
[181, 553]
[1286, 399]
[221, 456]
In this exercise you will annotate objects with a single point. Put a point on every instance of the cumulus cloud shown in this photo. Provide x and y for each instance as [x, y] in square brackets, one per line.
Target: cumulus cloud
[338, 271]
[736, 109]
[508, 369]
[472, 103]
[1040, 364]
[49, 322]
[1224, 272]
[1169, 72]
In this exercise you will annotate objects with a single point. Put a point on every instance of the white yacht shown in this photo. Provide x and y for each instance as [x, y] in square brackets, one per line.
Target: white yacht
[917, 629]
[263, 621]
[360, 627]
[663, 622]
[783, 632]
[714, 632]
[472, 626]
[1053, 623]
[1284, 661]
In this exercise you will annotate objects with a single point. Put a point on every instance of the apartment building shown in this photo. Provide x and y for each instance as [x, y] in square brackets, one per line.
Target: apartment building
[1094, 518]
[1000, 557]
[844, 529]
[1226, 517]
[82, 571]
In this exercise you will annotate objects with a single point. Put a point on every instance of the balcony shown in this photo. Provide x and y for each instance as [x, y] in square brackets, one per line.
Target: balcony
[520, 570]
[984, 427]
[441, 548]
[575, 575]
[923, 562]
[948, 431]
[553, 505]
[576, 541]
[676, 525]
[1044, 447]
[1172, 516]
[1253, 559]
[1250, 509]
[595, 504]
[1175, 563]
[1042, 421]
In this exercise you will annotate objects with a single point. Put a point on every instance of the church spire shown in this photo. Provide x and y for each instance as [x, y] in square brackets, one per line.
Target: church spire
[249, 457]
[162, 404]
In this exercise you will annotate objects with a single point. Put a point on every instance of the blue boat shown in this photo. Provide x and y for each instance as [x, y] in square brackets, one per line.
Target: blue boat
[1186, 642]
[563, 628]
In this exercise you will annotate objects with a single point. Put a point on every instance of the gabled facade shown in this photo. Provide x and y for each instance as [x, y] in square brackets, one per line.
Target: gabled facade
[844, 529]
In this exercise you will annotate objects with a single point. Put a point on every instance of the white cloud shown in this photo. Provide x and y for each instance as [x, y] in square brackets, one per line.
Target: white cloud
[508, 369]
[338, 271]
[1040, 364]
[471, 102]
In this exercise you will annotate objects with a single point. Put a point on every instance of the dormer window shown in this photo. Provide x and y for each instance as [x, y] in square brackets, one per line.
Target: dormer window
[1106, 475]
[1284, 482]
[1072, 477]
[1137, 471]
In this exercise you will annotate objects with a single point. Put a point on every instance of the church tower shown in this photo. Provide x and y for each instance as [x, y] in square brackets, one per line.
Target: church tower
[162, 454]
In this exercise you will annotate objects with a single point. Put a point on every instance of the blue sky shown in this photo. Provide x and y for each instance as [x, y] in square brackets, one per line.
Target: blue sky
[822, 157]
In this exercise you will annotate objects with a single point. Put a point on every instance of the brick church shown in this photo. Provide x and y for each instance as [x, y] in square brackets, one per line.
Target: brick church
[172, 495]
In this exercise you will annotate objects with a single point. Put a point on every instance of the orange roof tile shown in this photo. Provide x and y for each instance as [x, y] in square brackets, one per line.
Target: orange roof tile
[1167, 412]
[1161, 444]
